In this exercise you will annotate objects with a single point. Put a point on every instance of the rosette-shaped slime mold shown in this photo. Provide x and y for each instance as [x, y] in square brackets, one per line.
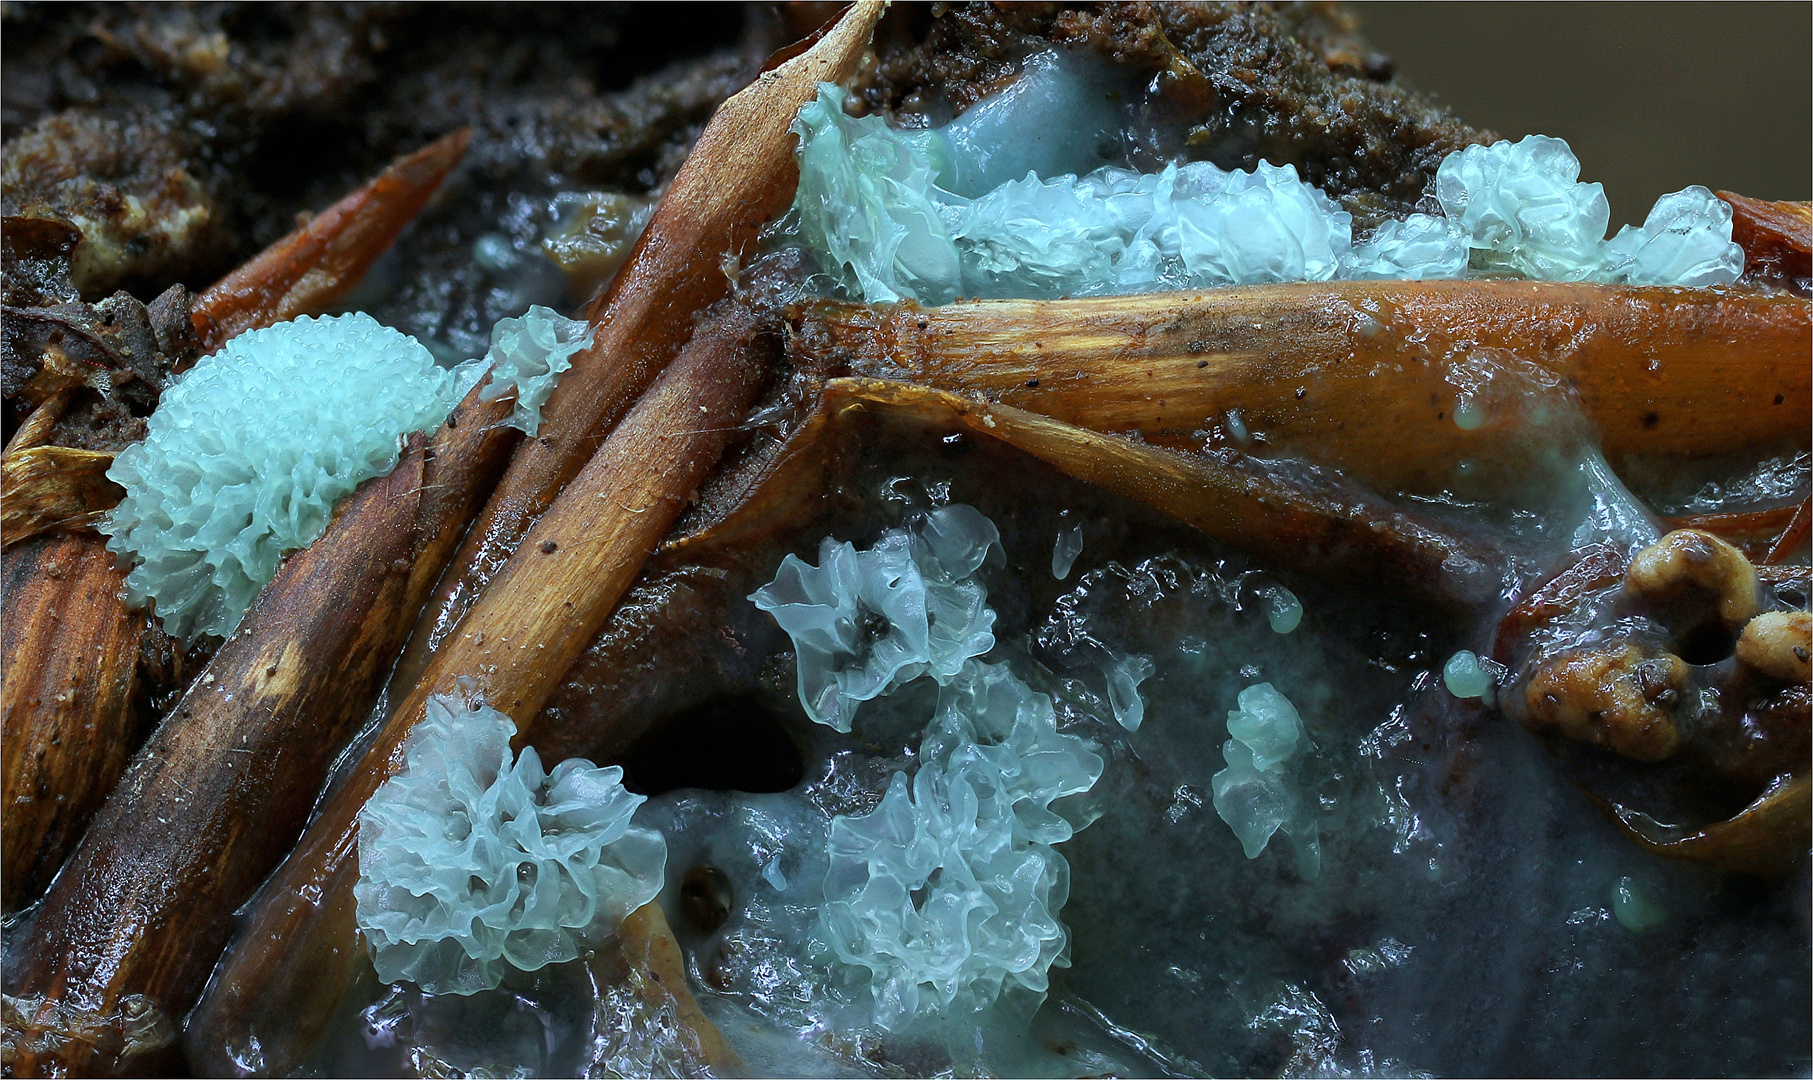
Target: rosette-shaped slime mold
[1686, 240]
[469, 864]
[527, 357]
[947, 894]
[247, 454]
[864, 622]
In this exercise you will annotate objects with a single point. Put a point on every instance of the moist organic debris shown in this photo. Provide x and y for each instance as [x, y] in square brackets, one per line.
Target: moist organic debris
[1086, 540]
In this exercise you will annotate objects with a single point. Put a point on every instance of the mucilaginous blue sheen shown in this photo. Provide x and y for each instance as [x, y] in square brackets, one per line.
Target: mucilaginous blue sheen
[946, 895]
[247, 454]
[470, 864]
[527, 357]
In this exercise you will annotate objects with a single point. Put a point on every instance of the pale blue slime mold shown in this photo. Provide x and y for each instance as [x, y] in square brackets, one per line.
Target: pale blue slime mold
[1465, 677]
[947, 894]
[934, 214]
[865, 622]
[1253, 794]
[469, 864]
[247, 454]
[527, 357]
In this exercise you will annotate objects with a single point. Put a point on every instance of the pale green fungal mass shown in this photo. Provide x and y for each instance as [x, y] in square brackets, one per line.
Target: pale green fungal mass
[1267, 724]
[1282, 609]
[946, 896]
[1468, 416]
[1466, 677]
[1635, 908]
[471, 864]
[1063, 553]
[931, 214]
[1125, 673]
[1254, 794]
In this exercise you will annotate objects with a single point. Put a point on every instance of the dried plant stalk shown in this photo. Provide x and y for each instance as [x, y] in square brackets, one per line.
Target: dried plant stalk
[1354, 374]
[1776, 236]
[54, 487]
[67, 718]
[1769, 836]
[646, 961]
[217, 796]
[1294, 520]
[740, 174]
[312, 267]
[293, 960]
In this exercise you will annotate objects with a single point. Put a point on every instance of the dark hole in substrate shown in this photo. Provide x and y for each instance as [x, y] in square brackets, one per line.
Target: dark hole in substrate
[1707, 643]
[726, 744]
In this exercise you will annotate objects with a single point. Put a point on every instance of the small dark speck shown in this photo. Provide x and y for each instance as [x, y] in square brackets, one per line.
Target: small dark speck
[1202, 364]
[1032, 383]
[549, 547]
[1302, 392]
[1651, 420]
[923, 324]
[453, 421]
[1779, 399]
[270, 671]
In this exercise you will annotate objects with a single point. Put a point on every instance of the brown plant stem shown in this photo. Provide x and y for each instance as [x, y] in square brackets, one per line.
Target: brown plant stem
[1328, 530]
[67, 721]
[217, 796]
[312, 267]
[278, 986]
[1353, 374]
[740, 174]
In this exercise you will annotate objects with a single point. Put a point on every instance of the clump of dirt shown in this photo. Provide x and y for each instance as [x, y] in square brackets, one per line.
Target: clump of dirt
[1286, 83]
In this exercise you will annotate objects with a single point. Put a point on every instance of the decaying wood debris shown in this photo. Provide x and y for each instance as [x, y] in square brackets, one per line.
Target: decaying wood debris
[739, 176]
[306, 271]
[1353, 376]
[239, 758]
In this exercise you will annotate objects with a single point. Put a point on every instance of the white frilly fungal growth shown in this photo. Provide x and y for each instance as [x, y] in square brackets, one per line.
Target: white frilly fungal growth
[247, 454]
[469, 864]
[947, 894]
[1253, 794]
[865, 622]
[527, 357]
[875, 203]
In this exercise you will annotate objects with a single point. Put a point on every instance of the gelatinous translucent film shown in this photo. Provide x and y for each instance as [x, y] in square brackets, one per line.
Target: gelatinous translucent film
[875, 203]
[865, 622]
[469, 863]
[527, 357]
[948, 893]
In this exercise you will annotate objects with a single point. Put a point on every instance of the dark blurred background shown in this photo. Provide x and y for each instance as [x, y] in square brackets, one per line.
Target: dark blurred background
[1651, 96]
